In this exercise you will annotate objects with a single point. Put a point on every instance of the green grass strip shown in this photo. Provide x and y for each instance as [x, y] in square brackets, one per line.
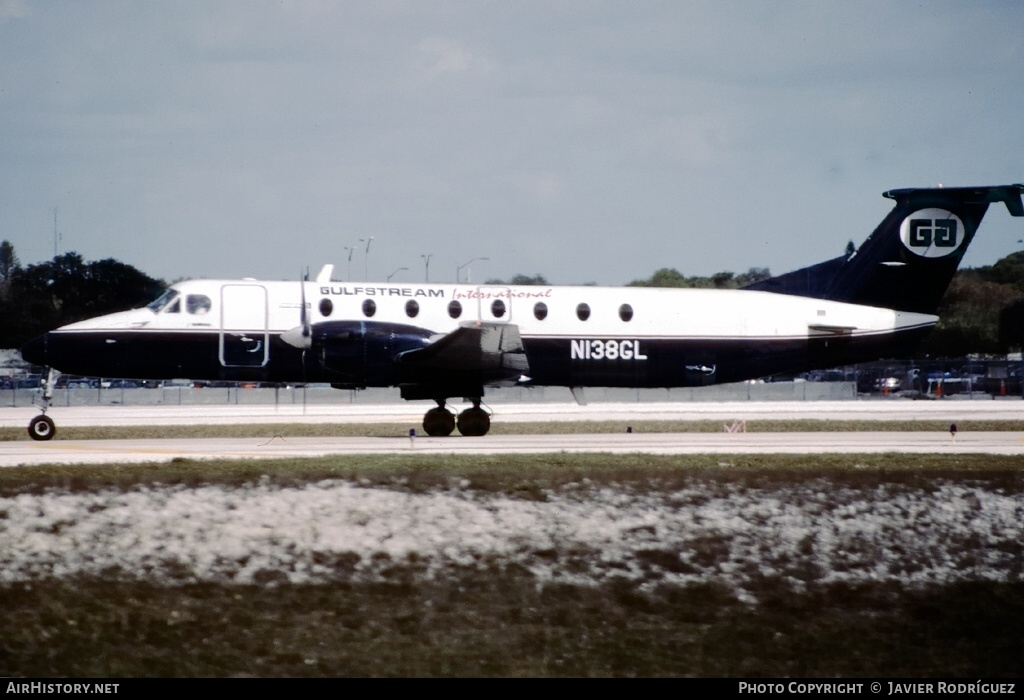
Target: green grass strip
[527, 476]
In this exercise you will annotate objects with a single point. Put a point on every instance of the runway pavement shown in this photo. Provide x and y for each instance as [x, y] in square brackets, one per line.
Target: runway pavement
[107, 451]
[18, 453]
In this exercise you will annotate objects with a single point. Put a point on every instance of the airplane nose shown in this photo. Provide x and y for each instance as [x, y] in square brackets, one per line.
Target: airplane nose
[34, 351]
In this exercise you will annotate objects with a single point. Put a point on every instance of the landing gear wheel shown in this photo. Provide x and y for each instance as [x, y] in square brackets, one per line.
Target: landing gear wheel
[41, 428]
[438, 422]
[474, 422]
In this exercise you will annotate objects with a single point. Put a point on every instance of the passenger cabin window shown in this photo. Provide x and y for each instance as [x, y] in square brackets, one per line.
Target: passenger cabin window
[369, 308]
[197, 304]
[540, 311]
[454, 309]
[326, 307]
[626, 312]
[498, 308]
[583, 312]
[412, 308]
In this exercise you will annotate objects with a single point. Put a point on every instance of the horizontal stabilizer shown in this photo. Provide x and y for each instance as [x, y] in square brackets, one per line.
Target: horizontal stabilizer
[818, 329]
[1010, 195]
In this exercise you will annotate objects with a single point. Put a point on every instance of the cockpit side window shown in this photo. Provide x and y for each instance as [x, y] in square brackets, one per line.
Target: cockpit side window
[161, 302]
[197, 304]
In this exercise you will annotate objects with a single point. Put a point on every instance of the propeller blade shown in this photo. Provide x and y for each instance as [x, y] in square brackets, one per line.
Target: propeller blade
[299, 337]
[302, 335]
[307, 331]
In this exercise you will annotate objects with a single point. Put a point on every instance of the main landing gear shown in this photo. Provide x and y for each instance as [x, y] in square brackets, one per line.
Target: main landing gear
[440, 422]
[474, 422]
[42, 427]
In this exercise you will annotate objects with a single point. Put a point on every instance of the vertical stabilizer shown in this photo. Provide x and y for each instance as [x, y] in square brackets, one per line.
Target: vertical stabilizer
[909, 260]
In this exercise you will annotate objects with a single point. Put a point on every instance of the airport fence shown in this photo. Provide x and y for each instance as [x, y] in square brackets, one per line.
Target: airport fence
[322, 395]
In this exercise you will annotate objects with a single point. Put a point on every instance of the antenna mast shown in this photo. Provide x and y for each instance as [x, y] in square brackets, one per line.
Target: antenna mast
[56, 236]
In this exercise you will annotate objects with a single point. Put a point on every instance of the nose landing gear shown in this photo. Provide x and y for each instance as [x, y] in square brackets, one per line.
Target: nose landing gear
[42, 427]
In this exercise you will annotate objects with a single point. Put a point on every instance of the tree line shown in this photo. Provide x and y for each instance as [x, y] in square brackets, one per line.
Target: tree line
[981, 313]
[38, 298]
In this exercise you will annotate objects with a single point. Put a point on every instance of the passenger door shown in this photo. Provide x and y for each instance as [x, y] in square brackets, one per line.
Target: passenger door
[243, 326]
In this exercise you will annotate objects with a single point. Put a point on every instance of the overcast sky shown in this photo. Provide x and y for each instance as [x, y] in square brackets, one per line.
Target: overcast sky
[585, 141]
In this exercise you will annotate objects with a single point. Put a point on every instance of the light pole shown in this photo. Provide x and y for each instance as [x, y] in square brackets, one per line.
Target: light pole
[426, 263]
[366, 260]
[458, 270]
[396, 272]
[349, 249]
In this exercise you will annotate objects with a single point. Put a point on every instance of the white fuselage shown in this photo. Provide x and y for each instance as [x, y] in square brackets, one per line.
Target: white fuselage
[274, 307]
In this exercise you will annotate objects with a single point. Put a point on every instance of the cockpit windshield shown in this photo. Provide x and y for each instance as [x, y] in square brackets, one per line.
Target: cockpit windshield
[161, 302]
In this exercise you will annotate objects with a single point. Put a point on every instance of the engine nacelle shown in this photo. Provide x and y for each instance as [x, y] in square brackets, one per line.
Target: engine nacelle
[358, 354]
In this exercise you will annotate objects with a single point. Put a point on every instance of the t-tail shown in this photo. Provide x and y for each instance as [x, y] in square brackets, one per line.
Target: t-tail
[909, 260]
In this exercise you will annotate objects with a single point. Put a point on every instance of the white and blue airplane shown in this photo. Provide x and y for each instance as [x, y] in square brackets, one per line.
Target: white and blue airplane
[435, 341]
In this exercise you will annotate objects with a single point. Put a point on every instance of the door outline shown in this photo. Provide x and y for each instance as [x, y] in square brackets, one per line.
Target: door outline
[244, 334]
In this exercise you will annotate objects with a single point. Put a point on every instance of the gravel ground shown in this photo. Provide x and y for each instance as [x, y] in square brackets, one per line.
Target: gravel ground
[814, 532]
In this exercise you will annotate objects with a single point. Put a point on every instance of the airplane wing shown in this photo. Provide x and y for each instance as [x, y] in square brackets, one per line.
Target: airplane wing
[475, 355]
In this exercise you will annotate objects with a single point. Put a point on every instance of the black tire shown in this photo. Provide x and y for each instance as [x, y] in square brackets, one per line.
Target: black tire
[438, 422]
[474, 422]
[41, 428]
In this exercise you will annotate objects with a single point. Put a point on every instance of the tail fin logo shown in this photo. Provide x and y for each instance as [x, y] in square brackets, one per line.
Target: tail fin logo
[932, 233]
